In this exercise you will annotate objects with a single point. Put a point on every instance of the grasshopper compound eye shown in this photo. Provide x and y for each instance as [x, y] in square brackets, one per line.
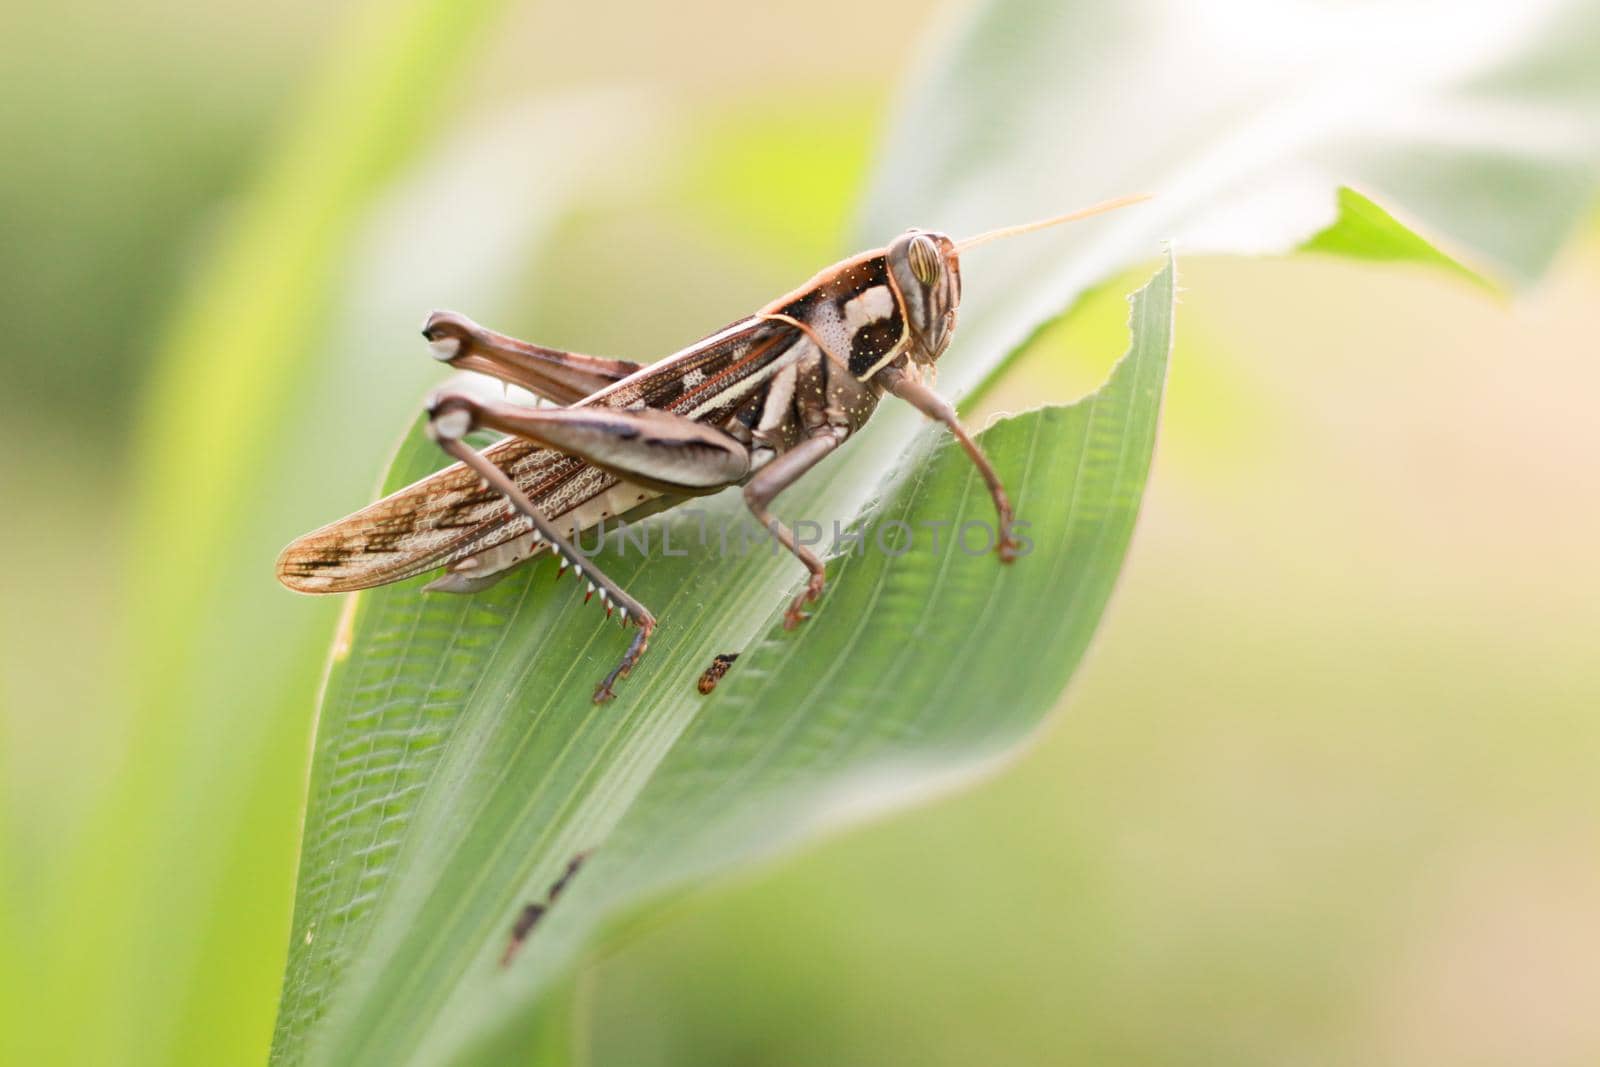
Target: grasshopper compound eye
[924, 256]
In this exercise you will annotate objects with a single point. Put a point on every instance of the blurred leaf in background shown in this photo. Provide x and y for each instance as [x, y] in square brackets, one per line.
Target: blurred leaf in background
[1245, 118]
[127, 131]
[174, 879]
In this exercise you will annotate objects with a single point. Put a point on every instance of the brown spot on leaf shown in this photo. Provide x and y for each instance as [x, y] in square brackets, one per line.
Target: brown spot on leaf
[531, 913]
[713, 674]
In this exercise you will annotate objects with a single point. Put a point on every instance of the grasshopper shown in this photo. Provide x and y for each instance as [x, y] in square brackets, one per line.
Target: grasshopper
[758, 403]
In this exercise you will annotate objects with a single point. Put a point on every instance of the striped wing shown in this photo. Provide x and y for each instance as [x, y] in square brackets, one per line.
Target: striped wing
[451, 515]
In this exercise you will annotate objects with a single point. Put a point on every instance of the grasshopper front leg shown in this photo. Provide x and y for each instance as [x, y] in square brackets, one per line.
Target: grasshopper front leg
[914, 392]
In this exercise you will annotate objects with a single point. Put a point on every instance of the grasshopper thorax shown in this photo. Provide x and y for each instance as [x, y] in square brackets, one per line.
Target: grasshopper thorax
[924, 271]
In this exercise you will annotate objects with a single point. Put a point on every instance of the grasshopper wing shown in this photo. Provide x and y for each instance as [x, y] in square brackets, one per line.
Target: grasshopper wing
[450, 515]
[432, 523]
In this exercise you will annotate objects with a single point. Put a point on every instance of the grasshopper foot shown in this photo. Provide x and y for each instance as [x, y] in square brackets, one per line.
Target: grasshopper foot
[812, 592]
[641, 641]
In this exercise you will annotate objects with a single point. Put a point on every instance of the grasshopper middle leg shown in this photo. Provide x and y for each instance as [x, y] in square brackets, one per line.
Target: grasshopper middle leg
[773, 479]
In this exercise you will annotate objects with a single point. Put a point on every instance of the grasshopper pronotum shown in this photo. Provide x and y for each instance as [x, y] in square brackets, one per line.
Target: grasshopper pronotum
[757, 404]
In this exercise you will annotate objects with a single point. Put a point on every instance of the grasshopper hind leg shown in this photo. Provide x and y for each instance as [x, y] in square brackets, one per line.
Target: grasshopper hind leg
[451, 420]
[560, 377]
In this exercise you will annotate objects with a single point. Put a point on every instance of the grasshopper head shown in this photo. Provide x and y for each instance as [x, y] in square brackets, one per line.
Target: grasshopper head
[925, 273]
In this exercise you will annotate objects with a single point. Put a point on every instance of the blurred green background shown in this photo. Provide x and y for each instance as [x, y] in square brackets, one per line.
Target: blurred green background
[1325, 790]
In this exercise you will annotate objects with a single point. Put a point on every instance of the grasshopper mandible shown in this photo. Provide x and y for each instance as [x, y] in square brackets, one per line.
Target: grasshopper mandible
[757, 404]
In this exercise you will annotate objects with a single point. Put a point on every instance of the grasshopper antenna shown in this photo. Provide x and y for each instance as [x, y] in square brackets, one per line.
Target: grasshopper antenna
[1071, 216]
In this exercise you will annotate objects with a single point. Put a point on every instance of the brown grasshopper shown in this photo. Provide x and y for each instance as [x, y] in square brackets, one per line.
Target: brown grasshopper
[757, 404]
